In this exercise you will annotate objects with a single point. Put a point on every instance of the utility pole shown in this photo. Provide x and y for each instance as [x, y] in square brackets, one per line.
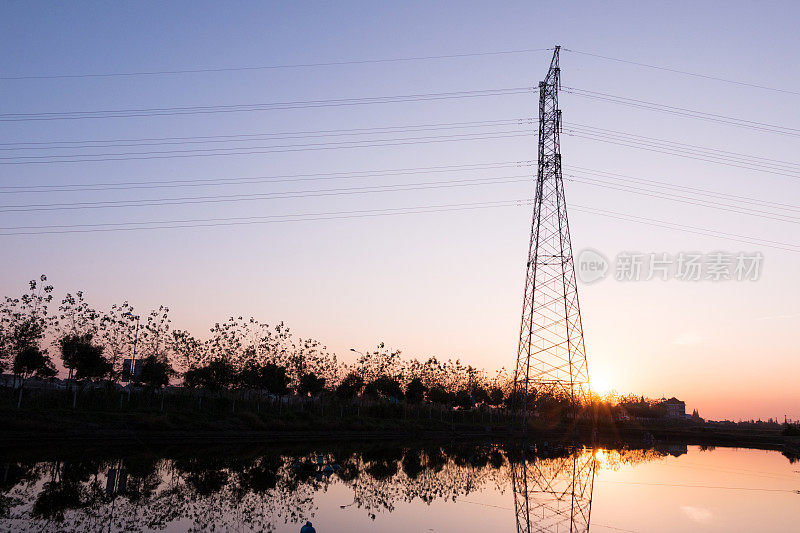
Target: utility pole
[551, 356]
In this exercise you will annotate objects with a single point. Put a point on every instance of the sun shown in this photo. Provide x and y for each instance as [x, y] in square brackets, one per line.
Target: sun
[600, 385]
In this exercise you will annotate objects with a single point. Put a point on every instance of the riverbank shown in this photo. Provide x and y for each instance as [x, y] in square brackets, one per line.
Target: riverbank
[26, 427]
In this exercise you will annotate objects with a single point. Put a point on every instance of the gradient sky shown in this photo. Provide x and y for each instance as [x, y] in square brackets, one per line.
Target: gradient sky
[447, 284]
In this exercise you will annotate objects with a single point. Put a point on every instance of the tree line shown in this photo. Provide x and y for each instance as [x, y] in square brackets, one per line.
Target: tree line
[242, 356]
[239, 354]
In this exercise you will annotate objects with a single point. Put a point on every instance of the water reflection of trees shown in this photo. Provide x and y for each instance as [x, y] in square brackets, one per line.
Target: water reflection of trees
[260, 490]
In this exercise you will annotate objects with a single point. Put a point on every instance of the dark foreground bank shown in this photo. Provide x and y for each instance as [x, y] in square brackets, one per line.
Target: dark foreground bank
[24, 427]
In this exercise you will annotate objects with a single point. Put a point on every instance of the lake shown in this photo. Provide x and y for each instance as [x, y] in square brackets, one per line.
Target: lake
[414, 487]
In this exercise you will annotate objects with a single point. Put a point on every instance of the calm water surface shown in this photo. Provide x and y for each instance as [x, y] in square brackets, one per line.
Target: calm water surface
[463, 487]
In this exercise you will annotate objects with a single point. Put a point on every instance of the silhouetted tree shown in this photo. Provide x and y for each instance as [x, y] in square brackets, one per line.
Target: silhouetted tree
[480, 394]
[311, 385]
[187, 351]
[215, 376]
[463, 399]
[496, 396]
[269, 377]
[83, 357]
[116, 333]
[415, 391]
[385, 387]
[90, 363]
[350, 387]
[437, 394]
[156, 371]
[32, 361]
[23, 323]
[274, 379]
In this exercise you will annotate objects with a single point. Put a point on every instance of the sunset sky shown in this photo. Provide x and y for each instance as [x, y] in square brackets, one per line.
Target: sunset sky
[439, 283]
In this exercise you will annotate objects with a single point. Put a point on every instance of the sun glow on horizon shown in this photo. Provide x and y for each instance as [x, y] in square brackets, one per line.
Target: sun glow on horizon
[600, 385]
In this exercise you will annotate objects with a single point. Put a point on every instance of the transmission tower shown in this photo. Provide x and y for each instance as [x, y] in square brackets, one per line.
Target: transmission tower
[551, 356]
[554, 495]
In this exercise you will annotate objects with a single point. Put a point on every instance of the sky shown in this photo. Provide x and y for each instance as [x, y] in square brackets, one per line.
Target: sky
[446, 283]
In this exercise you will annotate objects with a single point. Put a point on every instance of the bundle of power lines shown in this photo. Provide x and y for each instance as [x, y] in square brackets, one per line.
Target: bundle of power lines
[14, 154]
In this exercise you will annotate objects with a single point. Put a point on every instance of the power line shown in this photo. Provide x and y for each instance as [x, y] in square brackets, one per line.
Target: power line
[687, 195]
[758, 167]
[273, 67]
[578, 178]
[684, 72]
[387, 188]
[689, 148]
[237, 221]
[588, 132]
[270, 106]
[196, 223]
[288, 148]
[202, 139]
[246, 180]
[739, 160]
[688, 229]
[157, 154]
[266, 196]
[683, 485]
[682, 188]
[688, 200]
[684, 112]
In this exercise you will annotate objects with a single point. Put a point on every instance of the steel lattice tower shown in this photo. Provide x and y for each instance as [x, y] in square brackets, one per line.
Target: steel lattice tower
[554, 495]
[551, 356]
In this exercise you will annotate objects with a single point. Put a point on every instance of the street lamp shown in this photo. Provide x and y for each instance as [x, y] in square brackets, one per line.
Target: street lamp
[355, 491]
[133, 359]
[362, 366]
[361, 391]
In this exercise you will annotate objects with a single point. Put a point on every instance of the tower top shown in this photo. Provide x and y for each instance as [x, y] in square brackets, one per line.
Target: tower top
[552, 73]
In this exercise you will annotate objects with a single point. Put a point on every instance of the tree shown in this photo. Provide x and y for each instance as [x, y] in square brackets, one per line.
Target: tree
[267, 376]
[350, 387]
[155, 338]
[311, 384]
[480, 394]
[496, 396]
[156, 371]
[32, 361]
[116, 333]
[76, 320]
[310, 357]
[437, 394]
[415, 391]
[273, 378]
[463, 399]
[385, 387]
[24, 321]
[380, 362]
[86, 358]
[187, 352]
[215, 376]
[23, 324]
[250, 376]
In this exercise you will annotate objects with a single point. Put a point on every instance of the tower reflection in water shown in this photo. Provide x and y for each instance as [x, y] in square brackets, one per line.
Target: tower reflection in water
[554, 494]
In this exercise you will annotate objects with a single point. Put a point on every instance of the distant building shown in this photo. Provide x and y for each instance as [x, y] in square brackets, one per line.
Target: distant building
[674, 408]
